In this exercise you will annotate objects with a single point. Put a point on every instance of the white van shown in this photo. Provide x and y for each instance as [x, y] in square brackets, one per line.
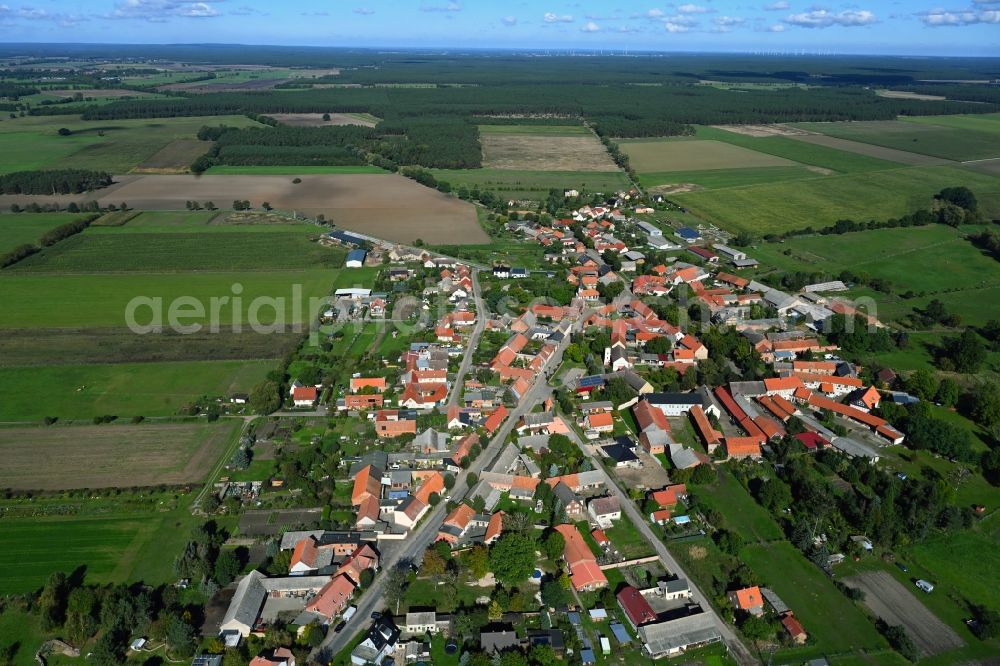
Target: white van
[926, 586]
[349, 613]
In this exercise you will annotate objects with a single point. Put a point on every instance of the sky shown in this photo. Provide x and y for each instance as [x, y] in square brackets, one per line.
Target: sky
[905, 27]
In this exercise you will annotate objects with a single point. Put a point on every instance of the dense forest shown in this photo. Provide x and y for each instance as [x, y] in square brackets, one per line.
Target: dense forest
[61, 181]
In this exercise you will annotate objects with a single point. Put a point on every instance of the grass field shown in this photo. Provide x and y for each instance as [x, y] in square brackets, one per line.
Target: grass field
[112, 252]
[741, 513]
[898, 255]
[28, 228]
[118, 146]
[778, 207]
[101, 300]
[713, 179]
[537, 130]
[132, 537]
[966, 561]
[533, 184]
[958, 140]
[799, 151]
[58, 458]
[123, 390]
[834, 622]
[658, 155]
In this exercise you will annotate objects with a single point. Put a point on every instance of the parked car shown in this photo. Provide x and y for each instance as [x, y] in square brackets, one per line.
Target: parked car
[340, 625]
[902, 567]
[925, 585]
[376, 615]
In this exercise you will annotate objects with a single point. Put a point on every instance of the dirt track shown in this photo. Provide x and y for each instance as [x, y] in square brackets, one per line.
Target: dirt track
[889, 600]
[383, 205]
[316, 119]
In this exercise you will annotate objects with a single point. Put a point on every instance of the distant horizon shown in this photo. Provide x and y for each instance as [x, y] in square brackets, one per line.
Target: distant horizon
[965, 28]
[516, 50]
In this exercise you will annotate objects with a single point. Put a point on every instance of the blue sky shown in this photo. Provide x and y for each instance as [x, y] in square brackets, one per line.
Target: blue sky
[920, 27]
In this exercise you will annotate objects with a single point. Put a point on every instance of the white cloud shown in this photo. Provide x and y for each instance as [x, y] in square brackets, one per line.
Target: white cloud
[728, 21]
[159, 11]
[590, 27]
[777, 27]
[509, 21]
[671, 26]
[939, 18]
[550, 17]
[450, 7]
[778, 6]
[655, 13]
[692, 9]
[364, 11]
[821, 18]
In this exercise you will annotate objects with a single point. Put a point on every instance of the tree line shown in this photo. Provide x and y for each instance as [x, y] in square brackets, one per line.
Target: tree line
[57, 181]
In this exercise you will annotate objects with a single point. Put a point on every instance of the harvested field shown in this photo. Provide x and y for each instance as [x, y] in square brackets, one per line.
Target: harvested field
[214, 87]
[762, 130]
[316, 119]
[957, 138]
[533, 151]
[27, 347]
[63, 458]
[388, 206]
[175, 157]
[98, 92]
[695, 155]
[891, 154]
[271, 523]
[906, 94]
[889, 600]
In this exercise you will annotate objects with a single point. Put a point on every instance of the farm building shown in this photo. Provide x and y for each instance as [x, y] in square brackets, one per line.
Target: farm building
[729, 253]
[664, 639]
[688, 234]
[356, 258]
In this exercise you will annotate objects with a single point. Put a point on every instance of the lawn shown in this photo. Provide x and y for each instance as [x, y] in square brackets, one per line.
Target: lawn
[946, 140]
[657, 155]
[779, 207]
[27, 228]
[124, 390]
[626, 537]
[33, 142]
[741, 513]
[966, 562]
[24, 630]
[30, 300]
[835, 623]
[109, 252]
[533, 184]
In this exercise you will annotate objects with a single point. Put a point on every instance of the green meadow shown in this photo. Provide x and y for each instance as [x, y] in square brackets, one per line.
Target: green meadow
[121, 389]
[774, 208]
[56, 301]
[533, 184]
[112, 252]
[116, 146]
[27, 228]
[958, 140]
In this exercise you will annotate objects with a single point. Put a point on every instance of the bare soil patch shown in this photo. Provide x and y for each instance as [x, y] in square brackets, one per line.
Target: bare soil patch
[99, 92]
[889, 600]
[316, 119]
[384, 205]
[871, 150]
[175, 157]
[650, 475]
[267, 522]
[675, 188]
[762, 130]
[526, 152]
[905, 94]
[62, 458]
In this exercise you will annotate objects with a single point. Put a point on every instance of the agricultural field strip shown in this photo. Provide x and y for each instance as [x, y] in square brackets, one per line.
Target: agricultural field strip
[59, 458]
